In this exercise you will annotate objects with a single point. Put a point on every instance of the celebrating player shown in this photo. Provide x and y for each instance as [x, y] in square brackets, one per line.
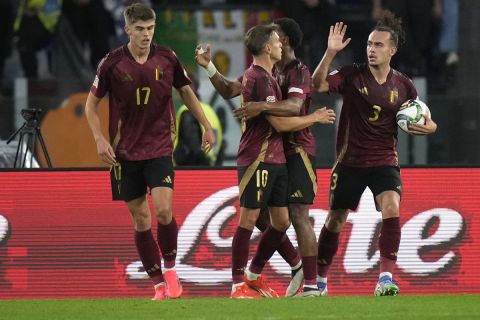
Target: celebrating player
[139, 78]
[295, 82]
[367, 142]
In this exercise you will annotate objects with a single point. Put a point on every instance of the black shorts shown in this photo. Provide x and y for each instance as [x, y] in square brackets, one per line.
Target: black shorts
[263, 185]
[130, 179]
[302, 178]
[348, 183]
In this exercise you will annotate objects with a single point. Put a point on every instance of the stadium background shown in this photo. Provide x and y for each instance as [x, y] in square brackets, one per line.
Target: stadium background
[61, 236]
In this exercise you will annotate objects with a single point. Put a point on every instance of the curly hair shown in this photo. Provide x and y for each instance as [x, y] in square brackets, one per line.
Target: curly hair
[393, 25]
[292, 30]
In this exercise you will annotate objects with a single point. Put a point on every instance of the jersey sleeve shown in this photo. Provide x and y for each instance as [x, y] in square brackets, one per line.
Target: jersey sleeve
[299, 84]
[180, 76]
[411, 90]
[101, 83]
[339, 78]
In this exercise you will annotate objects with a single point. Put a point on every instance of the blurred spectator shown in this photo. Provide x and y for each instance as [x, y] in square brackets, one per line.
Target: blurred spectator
[449, 34]
[34, 29]
[7, 17]
[419, 20]
[92, 24]
[187, 146]
[313, 16]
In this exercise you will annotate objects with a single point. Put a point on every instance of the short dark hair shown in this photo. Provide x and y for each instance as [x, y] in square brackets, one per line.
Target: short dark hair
[257, 37]
[138, 11]
[292, 30]
[393, 25]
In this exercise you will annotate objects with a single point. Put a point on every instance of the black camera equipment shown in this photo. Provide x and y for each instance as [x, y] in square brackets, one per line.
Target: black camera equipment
[29, 133]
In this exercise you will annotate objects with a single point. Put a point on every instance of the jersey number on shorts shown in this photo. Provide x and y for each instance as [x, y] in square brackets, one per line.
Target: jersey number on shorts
[142, 93]
[262, 177]
[376, 113]
[334, 181]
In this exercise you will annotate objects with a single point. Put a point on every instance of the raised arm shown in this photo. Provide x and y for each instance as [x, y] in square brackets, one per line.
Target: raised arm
[336, 43]
[227, 88]
[190, 99]
[290, 124]
[104, 149]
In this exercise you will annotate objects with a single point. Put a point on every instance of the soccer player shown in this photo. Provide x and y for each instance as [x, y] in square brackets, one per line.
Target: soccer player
[139, 78]
[367, 142]
[294, 80]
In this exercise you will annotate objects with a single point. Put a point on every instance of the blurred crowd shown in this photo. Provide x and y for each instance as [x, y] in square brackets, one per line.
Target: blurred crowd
[430, 50]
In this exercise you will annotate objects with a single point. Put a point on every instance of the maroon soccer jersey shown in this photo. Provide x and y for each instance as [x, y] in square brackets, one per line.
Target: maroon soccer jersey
[367, 133]
[142, 115]
[259, 140]
[295, 81]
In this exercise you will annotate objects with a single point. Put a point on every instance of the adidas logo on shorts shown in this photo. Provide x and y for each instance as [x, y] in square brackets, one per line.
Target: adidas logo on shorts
[296, 194]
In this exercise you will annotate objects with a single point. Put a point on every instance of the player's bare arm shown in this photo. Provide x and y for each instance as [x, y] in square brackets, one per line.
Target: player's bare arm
[284, 108]
[190, 99]
[336, 43]
[227, 88]
[291, 124]
[104, 149]
[423, 129]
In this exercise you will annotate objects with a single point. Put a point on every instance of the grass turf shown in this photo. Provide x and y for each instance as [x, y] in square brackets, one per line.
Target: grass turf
[344, 307]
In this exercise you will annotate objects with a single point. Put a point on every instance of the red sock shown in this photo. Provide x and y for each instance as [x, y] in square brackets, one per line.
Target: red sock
[310, 270]
[240, 248]
[266, 248]
[288, 252]
[167, 240]
[327, 247]
[388, 243]
[148, 251]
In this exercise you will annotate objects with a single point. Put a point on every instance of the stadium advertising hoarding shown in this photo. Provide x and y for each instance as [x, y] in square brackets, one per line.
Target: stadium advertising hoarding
[62, 236]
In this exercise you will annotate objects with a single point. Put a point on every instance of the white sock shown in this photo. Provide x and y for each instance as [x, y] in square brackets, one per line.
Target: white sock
[252, 276]
[322, 279]
[385, 274]
[310, 286]
[298, 265]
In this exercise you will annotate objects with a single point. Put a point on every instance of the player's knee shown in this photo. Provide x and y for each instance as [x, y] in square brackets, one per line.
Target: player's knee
[336, 220]
[281, 224]
[391, 210]
[299, 216]
[163, 214]
[141, 220]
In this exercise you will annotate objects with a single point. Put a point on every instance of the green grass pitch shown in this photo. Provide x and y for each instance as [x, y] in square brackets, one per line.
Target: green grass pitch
[344, 307]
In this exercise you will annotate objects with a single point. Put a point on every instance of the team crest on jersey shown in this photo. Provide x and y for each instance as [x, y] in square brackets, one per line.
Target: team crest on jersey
[158, 73]
[393, 96]
[271, 99]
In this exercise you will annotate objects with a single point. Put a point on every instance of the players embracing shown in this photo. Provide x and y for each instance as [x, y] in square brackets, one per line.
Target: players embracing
[292, 114]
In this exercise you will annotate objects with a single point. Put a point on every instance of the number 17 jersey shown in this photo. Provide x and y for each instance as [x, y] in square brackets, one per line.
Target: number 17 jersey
[141, 111]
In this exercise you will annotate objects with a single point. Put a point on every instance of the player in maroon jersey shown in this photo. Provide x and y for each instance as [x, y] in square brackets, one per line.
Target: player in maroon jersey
[139, 78]
[295, 82]
[366, 142]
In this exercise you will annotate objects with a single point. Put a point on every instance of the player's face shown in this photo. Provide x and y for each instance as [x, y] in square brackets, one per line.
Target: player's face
[274, 47]
[380, 49]
[141, 33]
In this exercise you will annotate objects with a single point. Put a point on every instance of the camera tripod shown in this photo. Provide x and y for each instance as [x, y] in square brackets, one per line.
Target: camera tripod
[29, 133]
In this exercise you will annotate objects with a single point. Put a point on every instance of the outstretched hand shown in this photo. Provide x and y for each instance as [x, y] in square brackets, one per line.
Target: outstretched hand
[336, 37]
[203, 56]
[423, 129]
[324, 115]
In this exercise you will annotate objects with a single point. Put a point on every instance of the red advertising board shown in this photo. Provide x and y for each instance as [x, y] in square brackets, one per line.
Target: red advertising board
[62, 236]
